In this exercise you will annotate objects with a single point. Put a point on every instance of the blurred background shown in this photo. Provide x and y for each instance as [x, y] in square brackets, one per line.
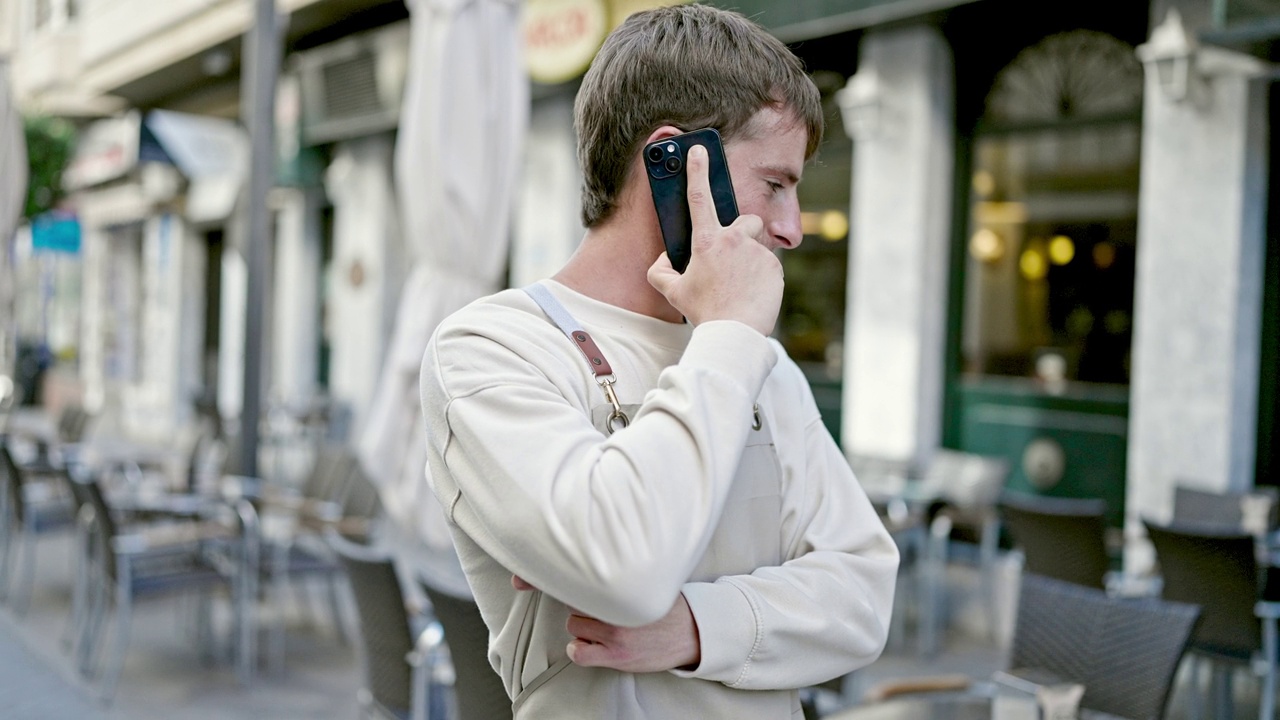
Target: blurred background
[1037, 233]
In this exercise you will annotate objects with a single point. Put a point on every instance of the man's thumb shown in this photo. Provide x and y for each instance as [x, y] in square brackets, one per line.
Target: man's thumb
[661, 274]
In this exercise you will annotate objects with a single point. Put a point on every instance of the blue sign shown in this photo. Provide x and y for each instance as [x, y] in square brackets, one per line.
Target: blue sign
[56, 232]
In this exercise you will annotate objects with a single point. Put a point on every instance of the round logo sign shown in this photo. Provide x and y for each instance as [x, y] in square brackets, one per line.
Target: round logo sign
[562, 36]
[1044, 463]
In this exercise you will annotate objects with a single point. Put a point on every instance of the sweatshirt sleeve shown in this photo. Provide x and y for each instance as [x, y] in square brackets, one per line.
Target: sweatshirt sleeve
[611, 525]
[822, 613]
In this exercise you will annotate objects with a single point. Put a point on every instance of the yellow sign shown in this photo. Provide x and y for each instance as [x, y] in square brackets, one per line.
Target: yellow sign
[561, 37]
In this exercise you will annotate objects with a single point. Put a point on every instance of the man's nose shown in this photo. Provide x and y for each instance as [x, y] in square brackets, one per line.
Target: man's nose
[785, 227]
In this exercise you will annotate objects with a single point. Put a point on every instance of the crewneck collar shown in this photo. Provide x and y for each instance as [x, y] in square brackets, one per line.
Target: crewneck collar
[613, 319]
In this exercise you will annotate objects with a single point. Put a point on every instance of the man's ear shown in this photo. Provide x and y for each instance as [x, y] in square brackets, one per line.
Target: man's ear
[663, 133]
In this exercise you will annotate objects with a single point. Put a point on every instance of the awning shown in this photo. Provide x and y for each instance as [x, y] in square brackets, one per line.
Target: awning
[211, 153]
[793, 21]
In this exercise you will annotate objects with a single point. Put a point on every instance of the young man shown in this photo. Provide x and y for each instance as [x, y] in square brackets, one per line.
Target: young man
[715, 553]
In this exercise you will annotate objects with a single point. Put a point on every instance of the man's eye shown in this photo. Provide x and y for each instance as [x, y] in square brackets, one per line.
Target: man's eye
[774, 186]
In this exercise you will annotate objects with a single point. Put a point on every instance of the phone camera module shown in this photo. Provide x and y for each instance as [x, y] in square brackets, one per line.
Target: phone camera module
[655, 154]
[673, 164]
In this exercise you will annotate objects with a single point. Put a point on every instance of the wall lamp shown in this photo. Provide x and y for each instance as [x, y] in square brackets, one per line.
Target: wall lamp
[1172, 52]
[1183, 67]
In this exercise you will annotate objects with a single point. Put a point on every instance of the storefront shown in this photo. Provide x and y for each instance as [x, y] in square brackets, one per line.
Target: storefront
[1037, 267]
[147, 190]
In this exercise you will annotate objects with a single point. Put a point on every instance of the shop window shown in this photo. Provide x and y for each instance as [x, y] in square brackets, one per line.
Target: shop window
[1052, 236]
[811, 321]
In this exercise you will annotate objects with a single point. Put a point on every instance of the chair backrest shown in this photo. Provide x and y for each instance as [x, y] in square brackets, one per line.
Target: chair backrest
[12, 484]
[1125, 651]
[1063, 538]
[361, 498]
[206, 461]
[1256, 512]
[73, 421]
[385, 631]
[965, 479]
[104, 525]
[1218, 571]
[331, 473]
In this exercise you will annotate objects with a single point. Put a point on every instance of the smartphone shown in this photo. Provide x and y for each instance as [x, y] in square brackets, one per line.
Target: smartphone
[665, 162]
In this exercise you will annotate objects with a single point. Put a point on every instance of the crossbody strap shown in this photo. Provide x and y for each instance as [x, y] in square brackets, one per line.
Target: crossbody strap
[582, 340]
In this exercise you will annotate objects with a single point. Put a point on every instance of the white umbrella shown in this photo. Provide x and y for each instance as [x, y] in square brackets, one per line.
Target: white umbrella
[462, 126]
[13, 194]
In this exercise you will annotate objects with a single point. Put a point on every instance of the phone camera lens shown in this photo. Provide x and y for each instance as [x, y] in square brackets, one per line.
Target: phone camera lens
[673, 164]
[655, 154]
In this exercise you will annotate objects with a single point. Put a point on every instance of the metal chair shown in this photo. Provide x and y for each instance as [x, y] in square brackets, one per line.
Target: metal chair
[336, 495]
[159, 559]
[33, 502]
[965, 487]
[1219, 570]
[407, 673]
[1125, 651]
[1063, 538]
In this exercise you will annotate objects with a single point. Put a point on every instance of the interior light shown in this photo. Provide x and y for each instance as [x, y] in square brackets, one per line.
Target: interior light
[810, 223]
[1033, 264]
[1104, 255]
[984, 183]
[1061, 250]
[987, 246]
[833, 225]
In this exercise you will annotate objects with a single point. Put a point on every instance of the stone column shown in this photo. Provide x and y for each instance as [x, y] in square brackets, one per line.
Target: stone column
[296, 297]
[1198, 289]
[547, 225]
[900, 111]
[364, 279]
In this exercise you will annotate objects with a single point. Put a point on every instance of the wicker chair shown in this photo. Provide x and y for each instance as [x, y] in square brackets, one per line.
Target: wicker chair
[1254, 512]
[1219, 571]
[405, 671]
[1063, 538]
[1125, 651]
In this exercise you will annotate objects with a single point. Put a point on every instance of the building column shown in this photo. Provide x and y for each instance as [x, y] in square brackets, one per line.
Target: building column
[296, 298]
[1198, 290]
[899, 109]
[547, 226]
[367, 271]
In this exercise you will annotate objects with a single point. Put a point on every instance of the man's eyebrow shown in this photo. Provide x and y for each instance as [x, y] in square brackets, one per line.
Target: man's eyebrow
[782, 172]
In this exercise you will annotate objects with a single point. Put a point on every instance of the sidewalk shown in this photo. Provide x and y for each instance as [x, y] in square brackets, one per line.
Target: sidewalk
[164, 677]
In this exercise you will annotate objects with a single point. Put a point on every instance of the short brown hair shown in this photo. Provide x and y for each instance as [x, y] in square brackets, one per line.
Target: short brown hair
[689, 66]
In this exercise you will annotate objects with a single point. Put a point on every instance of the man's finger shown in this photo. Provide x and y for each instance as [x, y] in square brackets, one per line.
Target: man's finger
[661, 274]
[521, 584]
[584, 653]
[588, 628]
[702, 210]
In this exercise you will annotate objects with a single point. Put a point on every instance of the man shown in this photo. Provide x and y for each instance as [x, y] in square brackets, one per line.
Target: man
[713, 552]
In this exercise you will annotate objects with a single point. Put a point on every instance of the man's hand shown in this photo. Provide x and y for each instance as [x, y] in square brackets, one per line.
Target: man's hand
[671, 642]
[732, 274]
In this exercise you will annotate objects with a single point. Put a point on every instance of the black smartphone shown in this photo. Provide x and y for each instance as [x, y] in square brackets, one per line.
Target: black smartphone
[665, 161]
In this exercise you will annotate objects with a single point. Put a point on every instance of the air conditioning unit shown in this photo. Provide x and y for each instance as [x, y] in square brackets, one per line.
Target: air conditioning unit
[353, 87]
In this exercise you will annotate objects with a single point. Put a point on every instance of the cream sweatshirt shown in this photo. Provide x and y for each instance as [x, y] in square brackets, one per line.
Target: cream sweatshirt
[783, 561]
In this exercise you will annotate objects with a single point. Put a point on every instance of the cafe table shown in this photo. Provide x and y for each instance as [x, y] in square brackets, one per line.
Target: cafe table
[952, 706]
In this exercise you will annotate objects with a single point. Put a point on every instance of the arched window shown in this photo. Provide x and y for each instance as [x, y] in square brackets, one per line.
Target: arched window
[1049, 265]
